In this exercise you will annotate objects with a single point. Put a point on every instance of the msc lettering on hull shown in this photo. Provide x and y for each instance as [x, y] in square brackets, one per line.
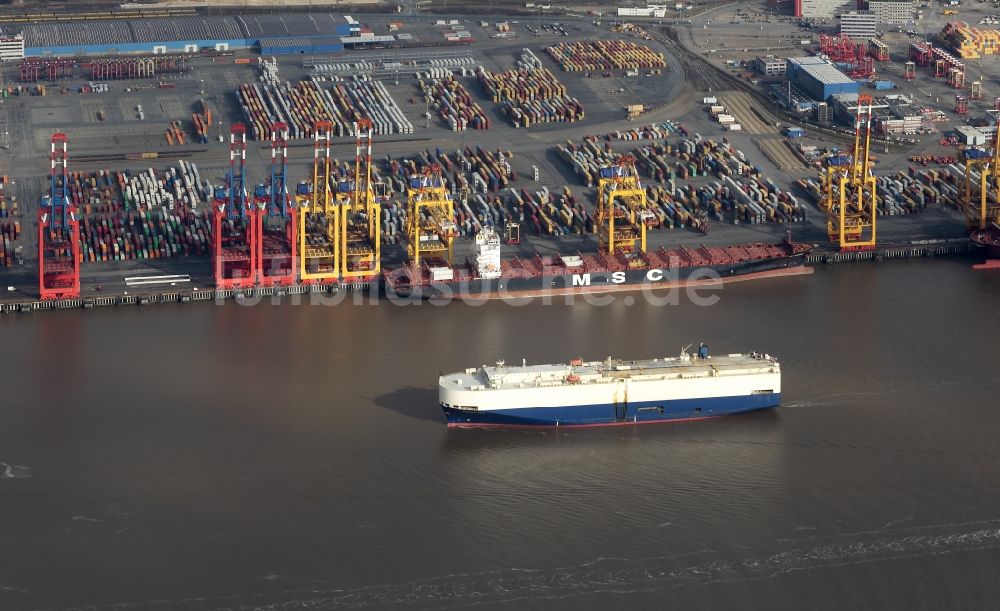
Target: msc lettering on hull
[653, 275]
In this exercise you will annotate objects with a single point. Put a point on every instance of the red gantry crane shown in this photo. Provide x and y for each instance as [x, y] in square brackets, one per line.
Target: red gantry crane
[235, 222]
[277, 243]
[58, 231]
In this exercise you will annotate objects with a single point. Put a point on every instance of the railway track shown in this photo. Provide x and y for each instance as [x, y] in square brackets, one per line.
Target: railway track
[698, 76]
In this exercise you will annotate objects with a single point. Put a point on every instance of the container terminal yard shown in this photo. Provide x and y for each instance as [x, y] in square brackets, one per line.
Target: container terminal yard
[185, 157]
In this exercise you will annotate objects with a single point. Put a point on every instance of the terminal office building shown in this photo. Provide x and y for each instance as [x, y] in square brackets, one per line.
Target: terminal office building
[887, 12]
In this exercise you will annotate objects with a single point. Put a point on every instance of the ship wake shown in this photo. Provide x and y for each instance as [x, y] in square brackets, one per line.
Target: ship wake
[617, 575]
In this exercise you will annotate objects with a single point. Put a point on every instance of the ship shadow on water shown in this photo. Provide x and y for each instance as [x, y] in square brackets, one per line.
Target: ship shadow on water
[418, 403]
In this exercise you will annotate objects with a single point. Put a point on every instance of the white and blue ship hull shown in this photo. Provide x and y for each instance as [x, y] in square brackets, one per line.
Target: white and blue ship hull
[599, 414]
[611, 392]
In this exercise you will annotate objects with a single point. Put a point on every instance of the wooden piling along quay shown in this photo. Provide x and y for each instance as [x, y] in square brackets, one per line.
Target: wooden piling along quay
[531, 96]
[741, 195]
[452, 103]
[603, 55]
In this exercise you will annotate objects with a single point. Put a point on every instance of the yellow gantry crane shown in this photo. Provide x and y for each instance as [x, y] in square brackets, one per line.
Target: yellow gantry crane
[361, 214]
[980, 209]
[319, 217]
[622, 210]
[431, 221]
[849, 188]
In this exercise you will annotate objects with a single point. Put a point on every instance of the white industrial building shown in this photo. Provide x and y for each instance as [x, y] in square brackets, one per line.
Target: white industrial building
[825, 9]
[893, 12]
[970, 136]
[11, 46]
[651, 10]
[769, 65]
[859, 24]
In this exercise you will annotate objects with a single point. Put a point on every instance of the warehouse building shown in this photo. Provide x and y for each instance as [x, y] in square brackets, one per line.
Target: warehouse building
[859, 24]
[970, 136]
[794, 64]
[819, 78]
[898, 118]
[367, 40]
[290, 45]
[986, 124]
[291, 33]
[892, 114]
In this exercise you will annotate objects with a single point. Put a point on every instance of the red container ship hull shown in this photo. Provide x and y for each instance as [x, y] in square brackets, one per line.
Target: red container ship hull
[989, 239]
[596, 272]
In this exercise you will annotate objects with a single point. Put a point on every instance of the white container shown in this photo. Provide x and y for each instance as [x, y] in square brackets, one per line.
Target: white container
[442, 274]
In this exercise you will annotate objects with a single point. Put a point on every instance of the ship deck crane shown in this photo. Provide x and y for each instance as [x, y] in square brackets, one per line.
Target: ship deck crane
[235, 222]
[58, 231]
[982, 178]
[622, 210]
[278, 245]
[431, 223]
[361, 214]
[319, 217]
[849, 188]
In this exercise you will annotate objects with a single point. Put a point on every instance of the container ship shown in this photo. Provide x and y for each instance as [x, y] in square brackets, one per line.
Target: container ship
[489, 276]
[989, 239]
[611, 392]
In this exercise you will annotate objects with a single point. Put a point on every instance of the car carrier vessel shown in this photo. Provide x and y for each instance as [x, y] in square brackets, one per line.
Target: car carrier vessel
[610, 392]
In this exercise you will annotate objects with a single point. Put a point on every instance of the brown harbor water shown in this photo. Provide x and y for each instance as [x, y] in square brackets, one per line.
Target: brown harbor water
[203, 457]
